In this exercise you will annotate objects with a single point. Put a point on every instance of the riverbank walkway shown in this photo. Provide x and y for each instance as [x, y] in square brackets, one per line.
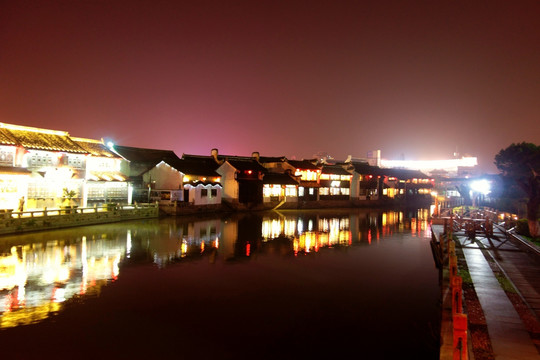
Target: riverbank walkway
[519, 262]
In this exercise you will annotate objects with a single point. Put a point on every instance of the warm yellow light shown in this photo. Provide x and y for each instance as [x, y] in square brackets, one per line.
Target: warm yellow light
[430, 164]
[79, 139]
[184, 248]
[33, 129]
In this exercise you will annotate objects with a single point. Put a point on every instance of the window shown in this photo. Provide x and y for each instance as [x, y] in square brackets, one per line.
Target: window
[290, 190]
[307, 175]
[204, 192]
[213, 192]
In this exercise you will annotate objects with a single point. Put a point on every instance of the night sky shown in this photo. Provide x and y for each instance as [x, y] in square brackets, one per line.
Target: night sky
[415, 79]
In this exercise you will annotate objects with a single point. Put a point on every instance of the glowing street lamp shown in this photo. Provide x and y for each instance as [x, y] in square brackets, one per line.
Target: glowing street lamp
[481, 187]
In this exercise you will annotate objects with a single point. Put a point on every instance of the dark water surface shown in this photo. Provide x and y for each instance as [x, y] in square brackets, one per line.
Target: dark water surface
[272, 285]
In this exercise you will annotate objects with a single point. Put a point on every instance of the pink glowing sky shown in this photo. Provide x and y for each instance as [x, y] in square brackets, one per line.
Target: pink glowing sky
[415, 79]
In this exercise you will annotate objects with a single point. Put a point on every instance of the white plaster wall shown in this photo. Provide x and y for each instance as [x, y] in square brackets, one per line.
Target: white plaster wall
[355, 186]
[165, 177]
[230, 185]
[196, 198]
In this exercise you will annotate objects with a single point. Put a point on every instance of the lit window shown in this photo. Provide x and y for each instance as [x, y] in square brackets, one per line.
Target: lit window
[290, 190]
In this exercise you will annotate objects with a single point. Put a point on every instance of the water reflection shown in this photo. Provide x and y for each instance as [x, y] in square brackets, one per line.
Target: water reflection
[36, 277]
[39, 272]
[310, 232]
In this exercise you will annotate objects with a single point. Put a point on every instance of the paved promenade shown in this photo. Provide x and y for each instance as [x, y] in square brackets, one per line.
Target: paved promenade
[510, 338]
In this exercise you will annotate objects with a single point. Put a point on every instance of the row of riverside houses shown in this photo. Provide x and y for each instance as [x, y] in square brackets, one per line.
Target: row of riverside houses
[48, 168]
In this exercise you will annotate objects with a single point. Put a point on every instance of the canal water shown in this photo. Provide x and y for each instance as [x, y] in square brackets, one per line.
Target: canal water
[264, 285]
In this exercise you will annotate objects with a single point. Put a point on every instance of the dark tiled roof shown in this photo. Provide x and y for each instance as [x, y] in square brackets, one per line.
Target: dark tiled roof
[281, 179]
[194, 167]
[404, 174]
[246, 165]
[303, 164]
[272, 159]
[94, 147]
[208, 161]
[334, 169]
[142, 155]
[221, 158]
[39, 139]
[366, 169]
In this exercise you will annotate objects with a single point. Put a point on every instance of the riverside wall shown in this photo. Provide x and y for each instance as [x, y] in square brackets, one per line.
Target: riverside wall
[49, 219]
[39, 220]
[179, 209]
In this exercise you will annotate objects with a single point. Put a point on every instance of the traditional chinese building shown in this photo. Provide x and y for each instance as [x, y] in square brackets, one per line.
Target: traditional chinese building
[149, 173]
[335, 183]
[280, 189]
[241, 177]
[104, 182]
[280, 186]
[366, 183]
[40, 165]
[201, 182]
[308, 173]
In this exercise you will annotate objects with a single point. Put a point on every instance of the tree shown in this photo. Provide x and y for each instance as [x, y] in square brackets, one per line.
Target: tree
[521, 163]
[68, 195]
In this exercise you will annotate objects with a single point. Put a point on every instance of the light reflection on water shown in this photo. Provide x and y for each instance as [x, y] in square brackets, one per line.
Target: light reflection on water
[263, 285]
[39, 272]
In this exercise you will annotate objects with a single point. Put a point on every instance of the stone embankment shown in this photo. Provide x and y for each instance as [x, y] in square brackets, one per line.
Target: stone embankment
[47, 219]
[181, 208]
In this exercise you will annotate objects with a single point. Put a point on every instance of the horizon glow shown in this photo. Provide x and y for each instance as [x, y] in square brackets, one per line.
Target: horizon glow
[430, 164]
